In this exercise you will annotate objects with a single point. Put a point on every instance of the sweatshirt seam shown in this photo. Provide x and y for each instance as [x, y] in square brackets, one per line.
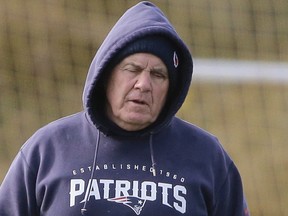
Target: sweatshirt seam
[26, 162]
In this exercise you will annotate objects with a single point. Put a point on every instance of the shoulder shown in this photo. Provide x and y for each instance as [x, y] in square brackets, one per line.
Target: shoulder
[197, 140]
[57, 130]
[56, 139]
[192, 131]
[71, 122]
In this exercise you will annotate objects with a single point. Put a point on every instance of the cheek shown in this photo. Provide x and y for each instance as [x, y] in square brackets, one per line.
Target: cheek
[160, 96]
[116, 94]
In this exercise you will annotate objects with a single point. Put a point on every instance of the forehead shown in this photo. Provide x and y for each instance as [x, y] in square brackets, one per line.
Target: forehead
[144, 60]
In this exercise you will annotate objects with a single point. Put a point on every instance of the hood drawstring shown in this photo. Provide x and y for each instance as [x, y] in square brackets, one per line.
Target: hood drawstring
[84, 209]
[152, 154]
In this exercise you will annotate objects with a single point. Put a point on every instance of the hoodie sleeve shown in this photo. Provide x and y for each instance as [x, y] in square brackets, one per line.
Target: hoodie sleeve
[17, 192]
[230, 198]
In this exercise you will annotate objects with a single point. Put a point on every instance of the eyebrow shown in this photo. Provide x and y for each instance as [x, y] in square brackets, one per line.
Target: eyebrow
[135, 65]
[139, 67]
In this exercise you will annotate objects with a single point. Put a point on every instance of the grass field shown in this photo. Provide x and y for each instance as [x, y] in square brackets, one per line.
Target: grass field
[251, 122]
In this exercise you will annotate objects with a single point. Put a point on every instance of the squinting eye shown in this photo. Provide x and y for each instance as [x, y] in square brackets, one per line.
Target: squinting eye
[159, 75]
[131, 69]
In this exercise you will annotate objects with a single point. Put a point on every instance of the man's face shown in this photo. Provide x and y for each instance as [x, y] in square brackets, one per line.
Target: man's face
[136, 91]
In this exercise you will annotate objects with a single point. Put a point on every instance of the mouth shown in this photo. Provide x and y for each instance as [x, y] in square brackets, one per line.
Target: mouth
[140, 102]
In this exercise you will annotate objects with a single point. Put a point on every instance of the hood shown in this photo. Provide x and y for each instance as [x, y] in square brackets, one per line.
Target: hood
[139, 21]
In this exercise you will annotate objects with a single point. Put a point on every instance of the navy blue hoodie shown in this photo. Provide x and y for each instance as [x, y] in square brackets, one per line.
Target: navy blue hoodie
[85, 164]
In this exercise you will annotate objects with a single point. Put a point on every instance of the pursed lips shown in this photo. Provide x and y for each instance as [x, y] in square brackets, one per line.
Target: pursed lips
[138, 101]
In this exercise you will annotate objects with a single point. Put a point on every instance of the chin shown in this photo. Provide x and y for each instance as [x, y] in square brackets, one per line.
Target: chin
[135, 124]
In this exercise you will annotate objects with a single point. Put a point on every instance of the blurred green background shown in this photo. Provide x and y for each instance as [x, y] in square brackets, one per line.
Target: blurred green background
[46, 48]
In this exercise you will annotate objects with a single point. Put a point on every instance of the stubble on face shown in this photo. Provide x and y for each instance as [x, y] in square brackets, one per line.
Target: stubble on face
[136, 91]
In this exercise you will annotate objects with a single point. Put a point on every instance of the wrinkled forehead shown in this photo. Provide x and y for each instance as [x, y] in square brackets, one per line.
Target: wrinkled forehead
[143, 61]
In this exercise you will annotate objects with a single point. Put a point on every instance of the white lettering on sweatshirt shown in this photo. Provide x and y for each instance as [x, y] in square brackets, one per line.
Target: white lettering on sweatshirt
[172, 196]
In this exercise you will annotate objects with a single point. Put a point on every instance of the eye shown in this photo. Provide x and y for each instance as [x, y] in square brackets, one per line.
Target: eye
[131, 68]
[159, 74]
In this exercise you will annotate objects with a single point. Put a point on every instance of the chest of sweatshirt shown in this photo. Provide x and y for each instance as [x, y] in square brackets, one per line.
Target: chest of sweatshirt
[123, 170]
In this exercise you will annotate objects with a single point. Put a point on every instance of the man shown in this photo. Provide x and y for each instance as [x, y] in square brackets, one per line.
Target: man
[127, 153]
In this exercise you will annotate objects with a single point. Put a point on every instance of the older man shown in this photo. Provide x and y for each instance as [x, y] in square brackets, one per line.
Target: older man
[126, 153]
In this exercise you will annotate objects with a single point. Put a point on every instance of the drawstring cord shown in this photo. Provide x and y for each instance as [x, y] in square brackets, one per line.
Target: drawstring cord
[84, 209]
[152, 155]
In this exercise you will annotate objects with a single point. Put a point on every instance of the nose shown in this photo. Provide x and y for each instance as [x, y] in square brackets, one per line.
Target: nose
[143, 82]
